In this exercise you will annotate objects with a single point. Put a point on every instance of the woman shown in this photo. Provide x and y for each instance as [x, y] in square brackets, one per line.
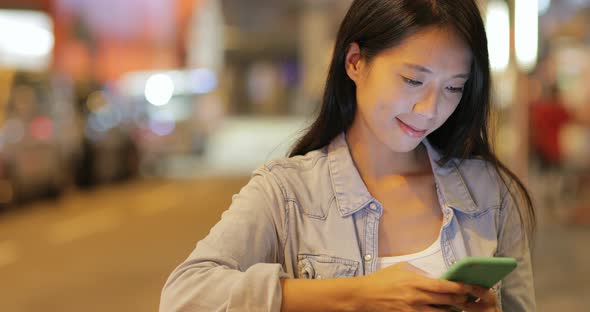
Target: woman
[393, 183]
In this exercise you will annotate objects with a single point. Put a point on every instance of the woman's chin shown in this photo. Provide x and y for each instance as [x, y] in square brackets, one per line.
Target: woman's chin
[403, 144]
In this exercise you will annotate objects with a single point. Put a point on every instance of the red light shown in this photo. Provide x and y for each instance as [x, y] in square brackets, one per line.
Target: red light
[41, 128]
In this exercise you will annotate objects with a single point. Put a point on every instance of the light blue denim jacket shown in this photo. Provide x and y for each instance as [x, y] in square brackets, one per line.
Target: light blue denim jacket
[312, 217]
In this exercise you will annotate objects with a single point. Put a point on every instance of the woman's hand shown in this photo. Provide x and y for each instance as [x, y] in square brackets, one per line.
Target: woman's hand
[403, 287]
[486, 302]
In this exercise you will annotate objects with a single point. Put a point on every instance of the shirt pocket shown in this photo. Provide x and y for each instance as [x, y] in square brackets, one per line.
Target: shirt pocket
[321, 266]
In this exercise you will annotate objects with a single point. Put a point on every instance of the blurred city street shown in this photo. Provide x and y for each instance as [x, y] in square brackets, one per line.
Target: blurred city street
[111, 249]
[127, 125]
[106, 250]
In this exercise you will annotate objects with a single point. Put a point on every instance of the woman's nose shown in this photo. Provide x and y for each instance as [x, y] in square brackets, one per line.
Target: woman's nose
[426, 106]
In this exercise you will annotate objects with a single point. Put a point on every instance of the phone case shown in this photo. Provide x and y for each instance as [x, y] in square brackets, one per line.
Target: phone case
[484, 272]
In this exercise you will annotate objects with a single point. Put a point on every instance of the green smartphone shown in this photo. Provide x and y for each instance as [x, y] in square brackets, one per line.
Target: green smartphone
[479, 271]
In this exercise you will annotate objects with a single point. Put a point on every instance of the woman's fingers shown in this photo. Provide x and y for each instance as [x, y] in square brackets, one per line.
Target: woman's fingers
[432, 309]
[486, 301]
[442, 286]
[484, 295]
[441, 299]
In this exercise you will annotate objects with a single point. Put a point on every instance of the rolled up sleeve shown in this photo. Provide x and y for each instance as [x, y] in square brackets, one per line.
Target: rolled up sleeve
[237, 266]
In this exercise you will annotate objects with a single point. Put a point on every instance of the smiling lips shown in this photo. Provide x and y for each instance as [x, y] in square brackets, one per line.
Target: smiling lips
[411, 131]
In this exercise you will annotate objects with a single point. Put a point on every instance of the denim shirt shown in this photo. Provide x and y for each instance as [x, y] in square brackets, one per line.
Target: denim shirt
[312, 217]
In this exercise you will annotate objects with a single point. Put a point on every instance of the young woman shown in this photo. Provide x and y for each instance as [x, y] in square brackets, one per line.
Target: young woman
[393, 183]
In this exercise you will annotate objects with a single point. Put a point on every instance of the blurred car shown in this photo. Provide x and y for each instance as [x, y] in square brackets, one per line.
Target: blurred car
[39, 137]
[109, 153]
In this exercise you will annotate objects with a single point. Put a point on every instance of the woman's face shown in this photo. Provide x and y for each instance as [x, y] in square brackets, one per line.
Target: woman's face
[409, 91]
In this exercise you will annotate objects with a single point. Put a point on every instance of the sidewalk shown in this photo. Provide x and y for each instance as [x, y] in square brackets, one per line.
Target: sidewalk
[561, 261]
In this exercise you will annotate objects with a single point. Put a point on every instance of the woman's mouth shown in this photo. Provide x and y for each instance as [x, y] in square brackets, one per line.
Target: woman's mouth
[411, 131]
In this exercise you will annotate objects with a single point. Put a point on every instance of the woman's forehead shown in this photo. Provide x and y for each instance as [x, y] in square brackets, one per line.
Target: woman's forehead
[432, 47]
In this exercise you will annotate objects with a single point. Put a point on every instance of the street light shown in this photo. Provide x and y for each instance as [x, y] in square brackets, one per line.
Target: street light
[498, 29]
[526, 33]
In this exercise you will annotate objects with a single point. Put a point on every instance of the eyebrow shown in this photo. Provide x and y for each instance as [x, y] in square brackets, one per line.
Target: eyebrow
[423, 69]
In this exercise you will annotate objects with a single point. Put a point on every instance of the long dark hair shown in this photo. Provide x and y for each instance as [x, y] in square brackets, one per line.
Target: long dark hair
[376, 25]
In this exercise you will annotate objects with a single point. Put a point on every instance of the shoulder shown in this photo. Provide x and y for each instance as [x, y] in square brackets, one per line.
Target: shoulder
[477, 169]
[483, 181]
[305, 167]
[489, 184]
[304, 179]
[296, 164]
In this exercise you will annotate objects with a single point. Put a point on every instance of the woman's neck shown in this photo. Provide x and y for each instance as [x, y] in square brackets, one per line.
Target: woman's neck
[376, 162]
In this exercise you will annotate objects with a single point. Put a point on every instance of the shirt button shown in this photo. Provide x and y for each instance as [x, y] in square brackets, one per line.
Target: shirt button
[368, 258]
[373, 206]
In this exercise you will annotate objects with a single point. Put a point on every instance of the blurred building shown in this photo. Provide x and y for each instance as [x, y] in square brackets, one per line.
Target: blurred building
[156, 84]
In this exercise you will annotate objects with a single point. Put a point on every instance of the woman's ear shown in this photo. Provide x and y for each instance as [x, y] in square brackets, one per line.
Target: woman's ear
[353, 61]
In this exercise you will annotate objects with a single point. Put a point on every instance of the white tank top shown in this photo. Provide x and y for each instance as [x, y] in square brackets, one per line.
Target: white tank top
[429, 260]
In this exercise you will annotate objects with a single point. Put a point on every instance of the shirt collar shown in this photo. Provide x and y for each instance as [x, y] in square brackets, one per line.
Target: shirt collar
[352, 194]
[450, 182]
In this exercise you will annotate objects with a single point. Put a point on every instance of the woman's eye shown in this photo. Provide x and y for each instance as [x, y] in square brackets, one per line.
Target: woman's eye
[455, 89]
[411, 82]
